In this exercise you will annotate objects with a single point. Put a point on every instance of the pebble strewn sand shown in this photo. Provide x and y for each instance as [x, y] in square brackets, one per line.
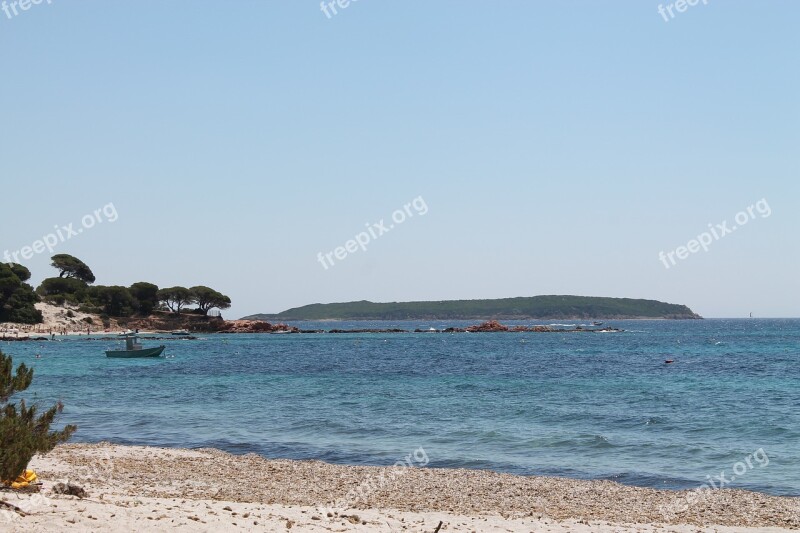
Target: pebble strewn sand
[306, 492]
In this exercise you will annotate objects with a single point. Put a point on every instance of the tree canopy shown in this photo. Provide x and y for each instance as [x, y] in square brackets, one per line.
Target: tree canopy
[73, 286]
[60, 290]
[176, 298]
[72, 267]
[114, 300]
[146, 295]
[207, 299]
[22, 273]
[17, 299]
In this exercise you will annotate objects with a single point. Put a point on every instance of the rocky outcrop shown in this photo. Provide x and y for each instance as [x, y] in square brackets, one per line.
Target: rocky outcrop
[256, 326]
[392, 330]
[488, 327]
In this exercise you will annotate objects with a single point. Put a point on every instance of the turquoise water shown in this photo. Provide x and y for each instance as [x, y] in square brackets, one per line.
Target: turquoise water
[578, 405]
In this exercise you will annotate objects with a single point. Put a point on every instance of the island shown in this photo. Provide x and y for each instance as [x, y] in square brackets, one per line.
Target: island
[522, 308]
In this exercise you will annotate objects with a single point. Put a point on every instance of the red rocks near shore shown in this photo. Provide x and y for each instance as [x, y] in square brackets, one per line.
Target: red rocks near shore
[487, 327]
[256, 326]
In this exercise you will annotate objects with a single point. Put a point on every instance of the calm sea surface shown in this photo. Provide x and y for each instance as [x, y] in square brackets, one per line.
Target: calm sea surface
[578, 405]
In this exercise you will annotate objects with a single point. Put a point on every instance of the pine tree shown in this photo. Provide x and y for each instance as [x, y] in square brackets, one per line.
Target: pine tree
[23, 434]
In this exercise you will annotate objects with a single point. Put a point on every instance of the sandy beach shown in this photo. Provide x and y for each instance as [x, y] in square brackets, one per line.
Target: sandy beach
[56, 320]
[139, 488]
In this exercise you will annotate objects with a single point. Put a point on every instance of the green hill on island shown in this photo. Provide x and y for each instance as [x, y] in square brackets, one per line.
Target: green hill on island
[534, 307]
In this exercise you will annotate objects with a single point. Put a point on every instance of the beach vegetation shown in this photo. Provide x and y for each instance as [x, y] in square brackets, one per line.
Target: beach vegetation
[208, 299]
[176, 298]
[72, 267]
[17, 298]
[114, 300]
[21, 272]
[146, 296]
[59, 291]
[74, 287]
[23, 431]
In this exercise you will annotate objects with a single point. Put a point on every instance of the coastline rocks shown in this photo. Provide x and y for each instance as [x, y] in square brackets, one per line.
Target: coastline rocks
[368, 331]
[490, 326]
[256, 326]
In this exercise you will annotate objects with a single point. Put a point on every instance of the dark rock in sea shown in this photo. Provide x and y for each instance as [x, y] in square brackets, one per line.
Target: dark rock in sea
[368, 331]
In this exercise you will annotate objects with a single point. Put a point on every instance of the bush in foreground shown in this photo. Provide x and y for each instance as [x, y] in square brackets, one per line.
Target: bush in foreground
[23, 434]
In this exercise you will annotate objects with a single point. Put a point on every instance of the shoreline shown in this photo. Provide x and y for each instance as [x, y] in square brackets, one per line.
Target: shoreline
[264, 328]
[208, 488]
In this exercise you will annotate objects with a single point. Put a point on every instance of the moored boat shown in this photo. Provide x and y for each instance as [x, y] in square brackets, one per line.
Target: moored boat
[134, 349]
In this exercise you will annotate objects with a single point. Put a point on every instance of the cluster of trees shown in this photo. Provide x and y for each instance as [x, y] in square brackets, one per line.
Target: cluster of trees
[17, 298]
[74, 285]
[205, 298]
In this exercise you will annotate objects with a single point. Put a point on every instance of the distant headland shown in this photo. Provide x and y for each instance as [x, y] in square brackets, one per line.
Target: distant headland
[522, 308]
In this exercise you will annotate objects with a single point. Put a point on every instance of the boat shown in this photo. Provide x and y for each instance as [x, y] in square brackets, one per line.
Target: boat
[597, 323]
[181, 332]
[133, 348]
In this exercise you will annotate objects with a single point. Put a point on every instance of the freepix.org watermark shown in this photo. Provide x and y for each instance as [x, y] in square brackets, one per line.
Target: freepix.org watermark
[374, 231]
[680, 6]
[715, 233]
[15, 7]
[693, 497]
[373, 484]
[329, 7]
[107, 213]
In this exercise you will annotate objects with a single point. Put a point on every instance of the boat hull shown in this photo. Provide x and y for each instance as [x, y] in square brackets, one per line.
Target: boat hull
[135, 354]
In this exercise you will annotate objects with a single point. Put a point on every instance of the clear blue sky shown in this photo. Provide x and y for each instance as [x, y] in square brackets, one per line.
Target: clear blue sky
[558, 146]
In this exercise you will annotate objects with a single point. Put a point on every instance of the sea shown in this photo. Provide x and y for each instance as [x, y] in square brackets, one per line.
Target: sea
[578, 405]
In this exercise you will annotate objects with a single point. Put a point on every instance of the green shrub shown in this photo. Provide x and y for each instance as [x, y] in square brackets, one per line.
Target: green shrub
[23, 434]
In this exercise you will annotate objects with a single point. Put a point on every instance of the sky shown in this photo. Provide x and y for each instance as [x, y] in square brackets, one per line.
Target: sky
[466, 149]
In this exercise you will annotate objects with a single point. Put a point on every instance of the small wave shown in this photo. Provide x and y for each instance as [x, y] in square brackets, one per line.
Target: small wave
[602, 442]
